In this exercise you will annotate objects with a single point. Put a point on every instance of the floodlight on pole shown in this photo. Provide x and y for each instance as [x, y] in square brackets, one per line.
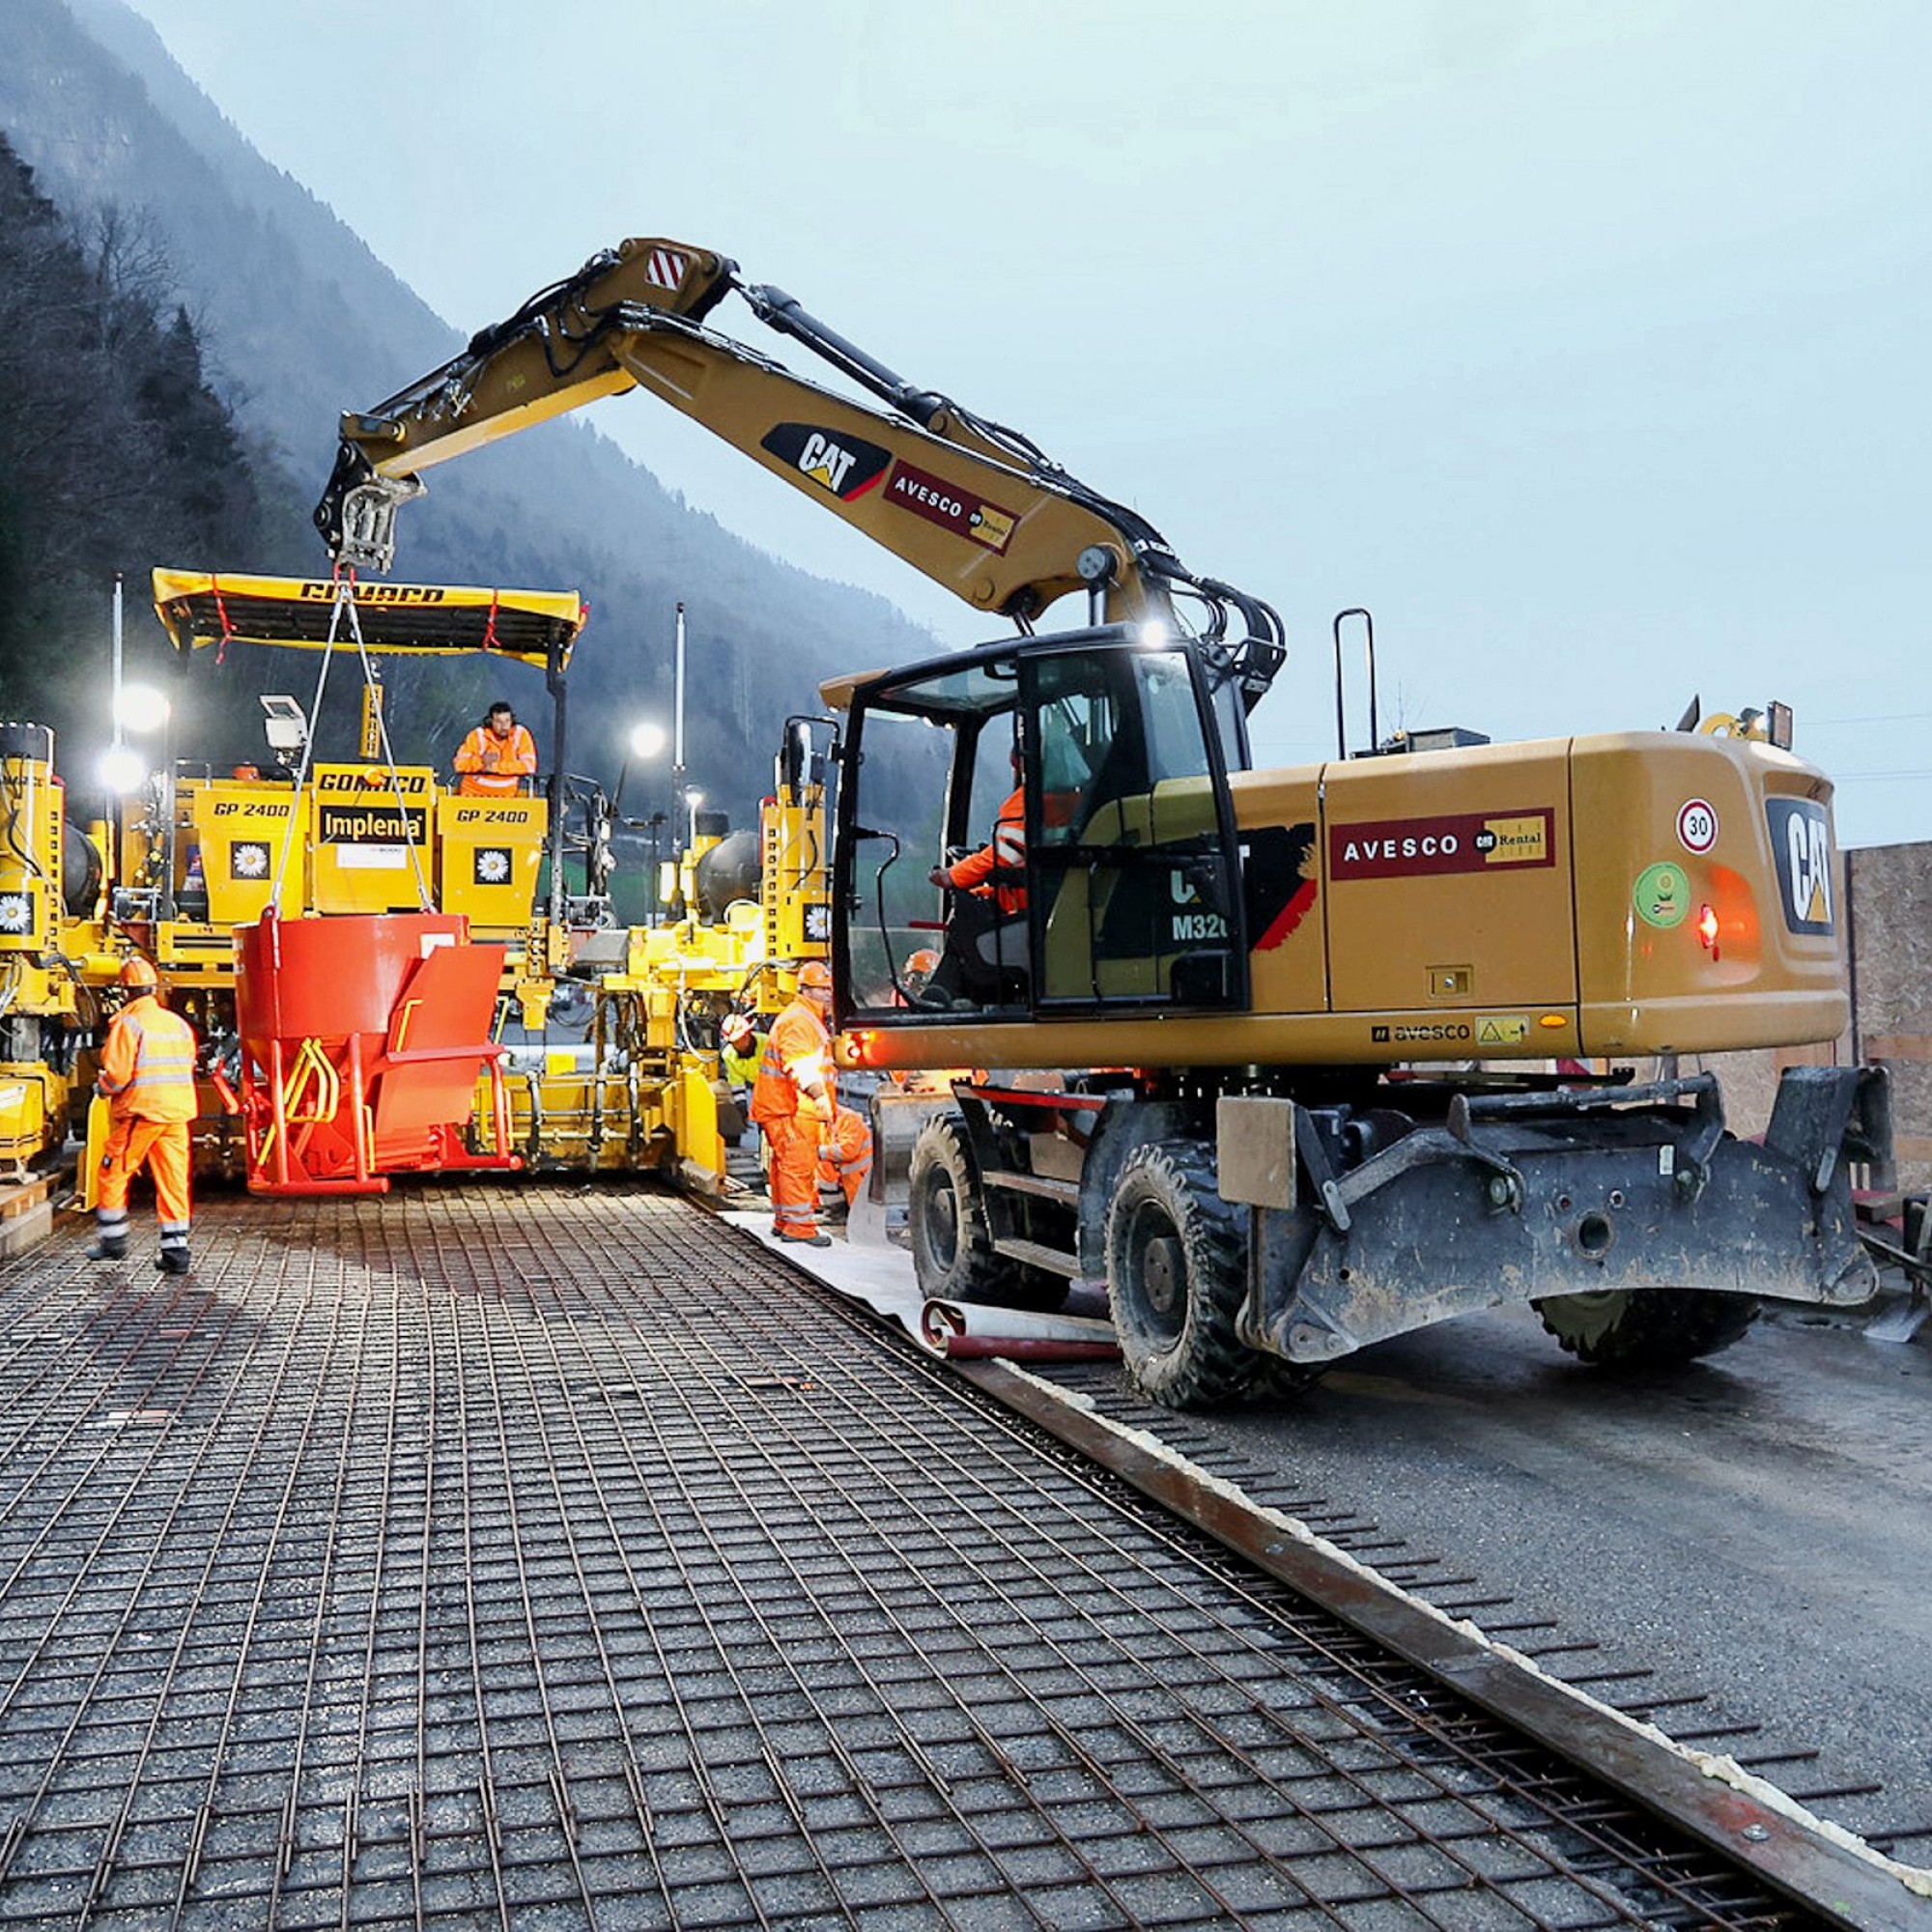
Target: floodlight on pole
[122, 770]
[138, 709]
[646, 741]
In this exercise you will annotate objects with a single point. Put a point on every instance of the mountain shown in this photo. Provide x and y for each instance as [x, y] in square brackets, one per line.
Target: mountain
[298, 319]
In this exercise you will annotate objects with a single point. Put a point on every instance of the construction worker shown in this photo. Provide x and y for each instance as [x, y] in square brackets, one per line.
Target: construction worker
[498, 756]
[845, 1154]
[915, 975]
[792, 1103]
[147, 1078]
[986, 936]
[738, 1049]
[997, 871]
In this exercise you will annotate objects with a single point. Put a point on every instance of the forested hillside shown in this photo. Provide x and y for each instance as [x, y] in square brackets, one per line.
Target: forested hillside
[114, 450]
[277, 318]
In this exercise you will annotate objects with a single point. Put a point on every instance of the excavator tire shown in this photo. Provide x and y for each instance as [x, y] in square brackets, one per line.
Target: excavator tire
[1649, 1328]
[1175, 1275]
[953, 1255]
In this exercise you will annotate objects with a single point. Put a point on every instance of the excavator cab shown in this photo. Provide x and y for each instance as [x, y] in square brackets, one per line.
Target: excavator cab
[1082, 779]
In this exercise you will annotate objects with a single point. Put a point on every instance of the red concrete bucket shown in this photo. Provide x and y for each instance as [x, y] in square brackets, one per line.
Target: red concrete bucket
[362, 1038]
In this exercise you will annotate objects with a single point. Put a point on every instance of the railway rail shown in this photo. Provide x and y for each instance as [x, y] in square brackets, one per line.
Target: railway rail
[540, 1556]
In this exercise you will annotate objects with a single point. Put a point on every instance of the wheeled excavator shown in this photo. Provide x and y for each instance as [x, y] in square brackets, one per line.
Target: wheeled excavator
[1293, 1060]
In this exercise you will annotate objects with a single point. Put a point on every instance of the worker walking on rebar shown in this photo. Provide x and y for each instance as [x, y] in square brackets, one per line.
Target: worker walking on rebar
[792, 1104]
[498, 756]
[147, 1078]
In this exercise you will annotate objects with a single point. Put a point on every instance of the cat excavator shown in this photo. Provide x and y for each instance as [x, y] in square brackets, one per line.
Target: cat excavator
[1293, 1059]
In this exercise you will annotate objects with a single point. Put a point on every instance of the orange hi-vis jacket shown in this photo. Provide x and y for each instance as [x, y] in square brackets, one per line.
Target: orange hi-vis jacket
[845, 1155]
[493, 767]
[146, 1066]
[797, 1057]
[999, 869]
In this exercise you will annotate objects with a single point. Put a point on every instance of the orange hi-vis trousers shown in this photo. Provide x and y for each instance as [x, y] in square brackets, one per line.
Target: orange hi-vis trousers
[792, 1140]
[159, 1146]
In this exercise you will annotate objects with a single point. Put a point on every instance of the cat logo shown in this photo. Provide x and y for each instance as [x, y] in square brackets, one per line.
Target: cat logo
[1187, 927]
[843, 465]
[1800, 844]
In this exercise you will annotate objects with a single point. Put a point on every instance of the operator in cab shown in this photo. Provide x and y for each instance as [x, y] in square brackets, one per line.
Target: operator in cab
[986, 935]
[498, 756]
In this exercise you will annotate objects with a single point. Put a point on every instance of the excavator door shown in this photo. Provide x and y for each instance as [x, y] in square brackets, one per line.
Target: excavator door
[1124, 894]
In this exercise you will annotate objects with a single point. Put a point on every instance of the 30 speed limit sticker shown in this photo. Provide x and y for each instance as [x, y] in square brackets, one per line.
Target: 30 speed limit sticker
[1697, 825]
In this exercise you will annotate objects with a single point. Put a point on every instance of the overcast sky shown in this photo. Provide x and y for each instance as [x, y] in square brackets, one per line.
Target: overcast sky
[1584, 344]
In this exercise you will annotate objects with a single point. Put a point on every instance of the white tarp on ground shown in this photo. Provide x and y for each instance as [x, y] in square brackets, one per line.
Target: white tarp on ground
[880, 1277]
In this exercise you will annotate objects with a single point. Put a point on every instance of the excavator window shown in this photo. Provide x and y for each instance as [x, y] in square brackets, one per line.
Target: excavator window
[1136, 899]
[1125, 891]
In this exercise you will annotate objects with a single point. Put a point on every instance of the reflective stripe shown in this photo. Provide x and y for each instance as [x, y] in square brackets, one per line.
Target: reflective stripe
[146, 1066]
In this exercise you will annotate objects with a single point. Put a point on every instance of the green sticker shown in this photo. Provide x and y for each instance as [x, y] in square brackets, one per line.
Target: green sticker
[1661, 895]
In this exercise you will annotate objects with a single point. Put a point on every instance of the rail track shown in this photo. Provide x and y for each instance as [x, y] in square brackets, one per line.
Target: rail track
[538, 1556]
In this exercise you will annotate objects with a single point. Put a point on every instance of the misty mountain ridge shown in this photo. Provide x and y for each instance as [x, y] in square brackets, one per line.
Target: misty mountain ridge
[300, 321]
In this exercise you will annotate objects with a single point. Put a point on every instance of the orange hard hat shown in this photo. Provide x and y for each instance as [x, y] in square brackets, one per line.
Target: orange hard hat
[814, 977]
[924, 960]
[139, 972]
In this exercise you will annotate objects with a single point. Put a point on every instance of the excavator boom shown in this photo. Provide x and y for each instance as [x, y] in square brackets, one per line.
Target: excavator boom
[971, 504]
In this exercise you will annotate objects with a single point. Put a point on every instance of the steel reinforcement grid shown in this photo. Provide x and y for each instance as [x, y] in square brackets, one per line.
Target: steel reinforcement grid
[542, 1557]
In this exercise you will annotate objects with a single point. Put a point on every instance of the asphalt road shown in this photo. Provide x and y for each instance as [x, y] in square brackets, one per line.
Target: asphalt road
[1757, 1527]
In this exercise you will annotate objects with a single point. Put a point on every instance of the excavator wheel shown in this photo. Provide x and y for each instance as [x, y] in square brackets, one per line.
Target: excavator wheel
[1649, 1328]
[1175, 1276]
[952, 1254]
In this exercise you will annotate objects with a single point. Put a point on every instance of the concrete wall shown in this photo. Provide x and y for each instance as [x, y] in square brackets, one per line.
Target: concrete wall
[1888, 917]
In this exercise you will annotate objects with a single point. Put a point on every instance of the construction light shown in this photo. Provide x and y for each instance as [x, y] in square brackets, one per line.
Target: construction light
[140, 708]
[647, 740]
[122, 770]
[1152, 635]
[1707, 928]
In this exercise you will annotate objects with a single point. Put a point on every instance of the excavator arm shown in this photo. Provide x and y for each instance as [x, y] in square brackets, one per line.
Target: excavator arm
[973, 506]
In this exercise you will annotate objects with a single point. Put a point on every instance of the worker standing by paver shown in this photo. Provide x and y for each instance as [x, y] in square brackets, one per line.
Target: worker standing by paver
[496, 757]
[739, 1048]
[147, 1078]
[792, 1103]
